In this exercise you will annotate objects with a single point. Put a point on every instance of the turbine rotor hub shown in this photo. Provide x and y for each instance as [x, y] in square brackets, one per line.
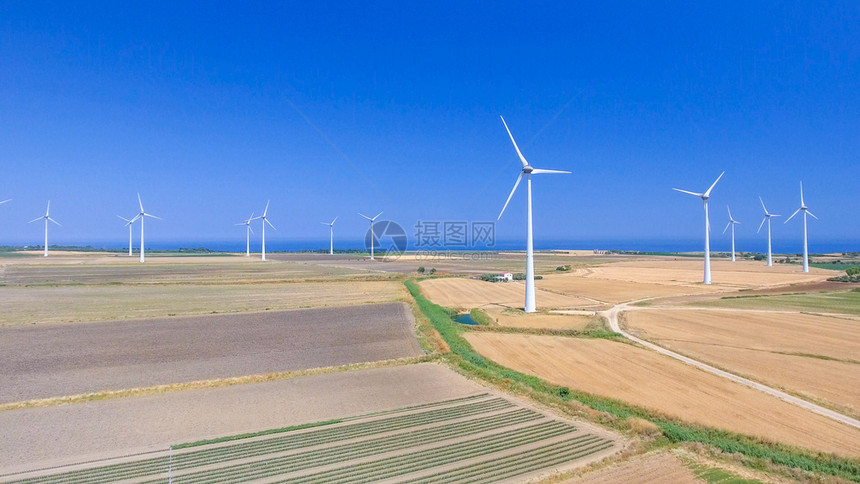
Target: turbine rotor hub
[527, 169]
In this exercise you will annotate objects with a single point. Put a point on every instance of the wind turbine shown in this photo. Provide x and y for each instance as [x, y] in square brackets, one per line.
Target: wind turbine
[46, 218]
[141, 216]
[128, 224]
[805, 212]
[248, 232]
[767, 216]
[732, 223]
[704, 197]
[331, 235]
[265, 221]
[372, 237]
[4, 201]
[528, 171]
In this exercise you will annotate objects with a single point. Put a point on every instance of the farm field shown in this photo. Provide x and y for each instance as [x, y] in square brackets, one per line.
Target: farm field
[519, 319]
[60, 360]
[725, 274]
[661, 384]
[462, 293]
[844, 302]
[651, 469]
[453, 434]
[21, 305]
[585, 283]
[797, 352]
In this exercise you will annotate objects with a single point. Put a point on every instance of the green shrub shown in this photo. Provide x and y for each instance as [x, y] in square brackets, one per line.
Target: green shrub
[421, 270]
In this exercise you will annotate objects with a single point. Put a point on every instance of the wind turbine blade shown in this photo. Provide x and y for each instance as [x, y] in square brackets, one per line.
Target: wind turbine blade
[727, 227]
[761, 224]
[153, 216]
[522, 158]
[35, 220]
[708, 193]
[365, 216]
[270, 223]
[537, 171]
[813, 216]
[689, 193]
[762, 205]
[519, 178]
[792, 216]
[266, 210]
[333, 221]
[135, 218]
[730, 213]
[325, 223]
[139, 202]
[250, 229]
[243, 223]
[48, 210]
[377, 216]
[52, 220]
[123, 218]
[801, 194]
[4, 201]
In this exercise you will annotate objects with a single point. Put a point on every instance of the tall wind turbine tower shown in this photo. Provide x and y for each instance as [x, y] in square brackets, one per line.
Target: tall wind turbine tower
[331, 236]
[767, 216]
[248, 232]
[141, 216]
[265, 221]
[732, 223]
[128, 224]
[704, 197]
[372, 236]
[528, 171]
[46, 218]
[805, 212]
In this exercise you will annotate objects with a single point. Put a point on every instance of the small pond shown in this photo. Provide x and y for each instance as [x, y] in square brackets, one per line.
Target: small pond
[465, 319]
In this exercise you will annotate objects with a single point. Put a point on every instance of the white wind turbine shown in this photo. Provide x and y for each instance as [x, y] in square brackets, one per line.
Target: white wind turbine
[704, 197]
[372, 236]
[732, 223]
[248, 232]
[4, 201]
[330, 235]
[140, 216]
[265, 221]
[46, 218]
[528, 171]
[805, 212]
[767, 216]
[128, 223]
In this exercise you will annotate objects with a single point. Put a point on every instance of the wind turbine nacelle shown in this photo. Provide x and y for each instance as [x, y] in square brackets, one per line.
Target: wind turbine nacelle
[528, 169]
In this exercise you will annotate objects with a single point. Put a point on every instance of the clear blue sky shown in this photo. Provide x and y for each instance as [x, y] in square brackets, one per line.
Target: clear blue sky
[209, 109]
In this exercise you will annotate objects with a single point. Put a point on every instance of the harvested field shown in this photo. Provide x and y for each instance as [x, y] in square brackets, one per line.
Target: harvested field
[651, 469]
[471, 293]
[797, 352]
[661, 384]
[59, 360]
[58, 304]
[725, 274]
[475, 435]
[519, 319]
[844, 302]
[586, 284]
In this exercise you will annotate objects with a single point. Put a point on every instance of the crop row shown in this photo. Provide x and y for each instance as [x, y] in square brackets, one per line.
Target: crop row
[438, 456]
[157, 465]
[356, 450]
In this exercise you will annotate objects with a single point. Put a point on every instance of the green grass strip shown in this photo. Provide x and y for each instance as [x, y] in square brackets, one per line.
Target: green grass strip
[255, 434]
[756, 451]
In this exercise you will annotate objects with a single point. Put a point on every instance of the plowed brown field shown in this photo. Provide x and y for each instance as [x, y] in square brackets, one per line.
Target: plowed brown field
[613, 290]
[652, 469]
[644, 378]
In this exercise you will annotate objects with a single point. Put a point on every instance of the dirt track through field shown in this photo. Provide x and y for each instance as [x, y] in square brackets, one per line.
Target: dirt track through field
[647, 379]
[59, 360]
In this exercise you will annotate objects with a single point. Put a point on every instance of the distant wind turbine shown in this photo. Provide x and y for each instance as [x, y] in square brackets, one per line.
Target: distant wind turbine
[46, 218]
[767, 216]
[128, 223]
[372, 237]
[732, 223]
[528, 171]
[248, 232]
[704, 197]
[4, 201]
[265, 221]
[140, 216]
[330, 235]
[805, 212]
